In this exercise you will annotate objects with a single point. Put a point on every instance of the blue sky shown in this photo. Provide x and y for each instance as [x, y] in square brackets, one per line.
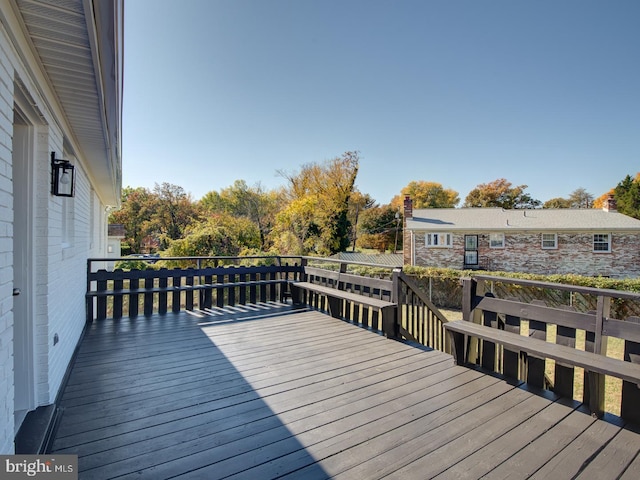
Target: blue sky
[544, 93]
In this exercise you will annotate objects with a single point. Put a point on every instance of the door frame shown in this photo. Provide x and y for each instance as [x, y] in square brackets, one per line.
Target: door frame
[24, 329]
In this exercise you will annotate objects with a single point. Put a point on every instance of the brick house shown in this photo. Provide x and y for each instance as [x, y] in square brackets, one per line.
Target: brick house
[60, 98]
[590, 242]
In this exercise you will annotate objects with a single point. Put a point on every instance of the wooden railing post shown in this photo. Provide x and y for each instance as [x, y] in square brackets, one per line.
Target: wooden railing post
[102, 301]
[391, 321]
[471, 288]
[630, 391]
[594, 384]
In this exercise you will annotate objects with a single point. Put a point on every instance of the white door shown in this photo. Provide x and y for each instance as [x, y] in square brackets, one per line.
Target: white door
[23, 264]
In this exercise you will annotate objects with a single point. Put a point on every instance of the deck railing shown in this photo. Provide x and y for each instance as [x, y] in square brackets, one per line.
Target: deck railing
[210, 282]
[216, 282]
[589, 319]
[198, 283]
[419, 319]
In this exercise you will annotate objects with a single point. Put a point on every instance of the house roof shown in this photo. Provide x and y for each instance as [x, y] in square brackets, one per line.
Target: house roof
[498, 219]
[79, 47]
[387, 259]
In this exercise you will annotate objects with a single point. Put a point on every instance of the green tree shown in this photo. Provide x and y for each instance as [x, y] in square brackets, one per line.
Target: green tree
[627, 196]
[358, 203]
[239, 200]
[380, 228]
[557, 202]
[173, 212]
[500, 193]
[426, 195]
[218, 235]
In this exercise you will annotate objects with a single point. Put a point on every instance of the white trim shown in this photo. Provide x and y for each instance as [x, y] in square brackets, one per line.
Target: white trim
[555, 241]
[608, 242]
[438, 240]
[494, 235]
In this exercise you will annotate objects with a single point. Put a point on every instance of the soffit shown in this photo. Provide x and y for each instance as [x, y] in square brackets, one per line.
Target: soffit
[79, 48]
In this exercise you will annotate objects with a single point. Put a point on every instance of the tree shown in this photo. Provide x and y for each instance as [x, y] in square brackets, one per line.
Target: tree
[500, 193]
[599, 202]
[218, 235]
[294, 230]
[358, 203]
[627, 196]
[580, 198]
[138, 206]
[426, 195]
[327, 188]
[254, 203]
[380, 228]
[557, 202]
[174, 211]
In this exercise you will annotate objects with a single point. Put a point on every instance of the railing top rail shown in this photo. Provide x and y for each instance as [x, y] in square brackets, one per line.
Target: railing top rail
[157, 259]
[606, 292]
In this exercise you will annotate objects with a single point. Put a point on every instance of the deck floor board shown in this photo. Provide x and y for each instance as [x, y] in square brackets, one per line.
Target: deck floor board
[268, 391]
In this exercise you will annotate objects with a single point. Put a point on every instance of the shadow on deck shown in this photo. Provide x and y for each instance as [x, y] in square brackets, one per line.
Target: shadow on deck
[265, 391]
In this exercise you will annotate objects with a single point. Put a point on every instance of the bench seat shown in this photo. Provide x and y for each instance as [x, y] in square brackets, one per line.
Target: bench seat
[385, 310]
[349, 296]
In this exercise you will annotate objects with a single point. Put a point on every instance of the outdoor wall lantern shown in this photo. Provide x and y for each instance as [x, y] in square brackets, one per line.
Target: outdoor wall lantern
[63, 177]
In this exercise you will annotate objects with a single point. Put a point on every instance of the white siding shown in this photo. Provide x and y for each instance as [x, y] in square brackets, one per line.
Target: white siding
[59, 269]
[6, 255]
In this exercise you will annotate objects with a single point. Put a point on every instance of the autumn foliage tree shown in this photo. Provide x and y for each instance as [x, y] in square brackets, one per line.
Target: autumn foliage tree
[174, 211]
[426, 195]
[500, 193]
[316, 219]
[138, 207]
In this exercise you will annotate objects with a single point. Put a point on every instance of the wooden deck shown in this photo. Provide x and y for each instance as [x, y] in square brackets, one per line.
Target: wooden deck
[268, 392]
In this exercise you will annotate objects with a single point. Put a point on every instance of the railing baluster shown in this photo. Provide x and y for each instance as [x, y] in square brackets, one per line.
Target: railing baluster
[162, 296]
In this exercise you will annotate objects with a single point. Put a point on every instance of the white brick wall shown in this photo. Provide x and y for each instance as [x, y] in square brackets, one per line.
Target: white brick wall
[59, 271]
[6, 257]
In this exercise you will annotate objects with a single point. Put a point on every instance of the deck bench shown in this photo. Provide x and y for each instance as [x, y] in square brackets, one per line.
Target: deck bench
[342, 290]
[489, 322]
[591, 362]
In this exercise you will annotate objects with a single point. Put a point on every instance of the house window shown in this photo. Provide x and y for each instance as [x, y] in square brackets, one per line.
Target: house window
[471, 257]
[549, 241]
[471, 242]
[496, 240]
[601, 242]
[438, 240]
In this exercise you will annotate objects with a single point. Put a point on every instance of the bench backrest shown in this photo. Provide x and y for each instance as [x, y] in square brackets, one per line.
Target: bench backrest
[367, 286]
[596, 322]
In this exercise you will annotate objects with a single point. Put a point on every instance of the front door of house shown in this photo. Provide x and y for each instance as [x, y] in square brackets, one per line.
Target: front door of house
[471, 251]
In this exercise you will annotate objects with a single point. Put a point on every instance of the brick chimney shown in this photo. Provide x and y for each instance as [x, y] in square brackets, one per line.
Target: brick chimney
[408, 207]
[610, 204]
